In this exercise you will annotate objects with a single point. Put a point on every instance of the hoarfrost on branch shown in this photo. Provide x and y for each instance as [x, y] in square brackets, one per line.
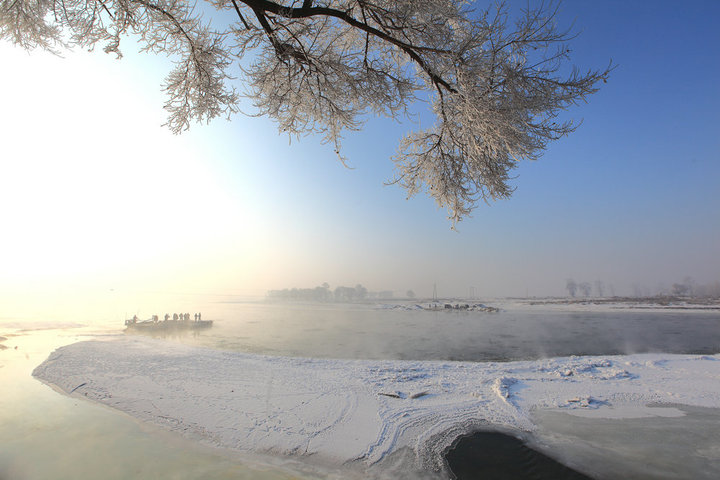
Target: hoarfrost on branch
[494, 80]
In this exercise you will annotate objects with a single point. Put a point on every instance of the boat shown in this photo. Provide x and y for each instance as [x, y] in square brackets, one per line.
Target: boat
[156, 324]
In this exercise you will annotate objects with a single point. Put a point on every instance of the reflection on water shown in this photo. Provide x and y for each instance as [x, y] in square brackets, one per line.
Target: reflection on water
[44, 434]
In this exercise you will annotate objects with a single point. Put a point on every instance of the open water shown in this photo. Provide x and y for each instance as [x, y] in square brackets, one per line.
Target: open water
[44, 434]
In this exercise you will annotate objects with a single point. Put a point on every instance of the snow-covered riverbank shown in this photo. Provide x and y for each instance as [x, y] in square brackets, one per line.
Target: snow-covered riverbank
[340, 411]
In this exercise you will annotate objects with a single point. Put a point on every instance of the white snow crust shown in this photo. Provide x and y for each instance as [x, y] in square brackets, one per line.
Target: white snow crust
[343, 411]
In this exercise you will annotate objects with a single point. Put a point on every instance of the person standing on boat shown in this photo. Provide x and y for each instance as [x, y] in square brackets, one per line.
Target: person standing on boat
[199, 316]
[167, 317]
[175, 317]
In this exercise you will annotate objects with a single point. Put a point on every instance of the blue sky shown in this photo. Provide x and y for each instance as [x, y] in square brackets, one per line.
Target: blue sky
[631, 198]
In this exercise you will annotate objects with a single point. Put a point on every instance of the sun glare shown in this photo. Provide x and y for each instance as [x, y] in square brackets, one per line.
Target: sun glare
[94, 188]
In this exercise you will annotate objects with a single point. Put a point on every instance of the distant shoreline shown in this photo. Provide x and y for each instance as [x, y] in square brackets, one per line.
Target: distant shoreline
[666, 302]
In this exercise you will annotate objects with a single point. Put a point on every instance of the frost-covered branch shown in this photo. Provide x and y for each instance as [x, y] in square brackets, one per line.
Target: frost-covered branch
[497, 81]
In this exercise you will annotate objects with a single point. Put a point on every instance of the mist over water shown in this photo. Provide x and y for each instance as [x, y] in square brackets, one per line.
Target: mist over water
[377, 332]
[44, 434]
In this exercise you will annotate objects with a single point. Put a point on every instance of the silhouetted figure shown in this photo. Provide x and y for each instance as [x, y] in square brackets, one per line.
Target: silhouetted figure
[196, 317]
[199, 317]
[167, 317]
[175, 317]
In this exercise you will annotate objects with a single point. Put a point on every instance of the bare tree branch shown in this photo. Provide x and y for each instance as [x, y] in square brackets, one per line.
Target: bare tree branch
[497, 80]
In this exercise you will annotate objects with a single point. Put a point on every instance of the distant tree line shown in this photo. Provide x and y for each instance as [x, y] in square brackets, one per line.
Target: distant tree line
[689, 288]
[324, 293]
[586, 288]
[686, 288]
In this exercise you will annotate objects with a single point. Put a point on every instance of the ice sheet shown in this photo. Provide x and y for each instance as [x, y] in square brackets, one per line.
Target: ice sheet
[341, 411]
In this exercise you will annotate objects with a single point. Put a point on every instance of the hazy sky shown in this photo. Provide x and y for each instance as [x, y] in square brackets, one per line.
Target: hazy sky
[97, 195]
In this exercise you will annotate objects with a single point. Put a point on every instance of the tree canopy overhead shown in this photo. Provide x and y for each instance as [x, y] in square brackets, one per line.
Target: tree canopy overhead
[496, 82]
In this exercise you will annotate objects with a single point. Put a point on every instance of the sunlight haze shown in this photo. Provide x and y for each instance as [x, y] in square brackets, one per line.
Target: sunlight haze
[99, 197]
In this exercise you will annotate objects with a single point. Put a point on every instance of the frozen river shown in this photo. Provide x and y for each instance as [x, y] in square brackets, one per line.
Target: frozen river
[36, 419]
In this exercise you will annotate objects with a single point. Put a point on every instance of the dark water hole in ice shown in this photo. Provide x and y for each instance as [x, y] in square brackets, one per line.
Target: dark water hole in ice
[497, 456]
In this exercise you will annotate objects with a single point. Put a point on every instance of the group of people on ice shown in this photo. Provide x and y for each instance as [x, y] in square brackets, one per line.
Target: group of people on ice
[177, 317]
[183, 317]
[181, 320]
